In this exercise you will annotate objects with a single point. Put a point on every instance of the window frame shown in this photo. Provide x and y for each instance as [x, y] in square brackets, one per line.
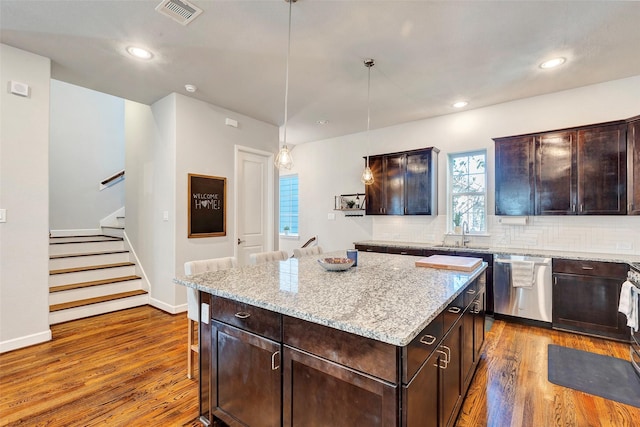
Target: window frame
[296, 216]
[450, 194]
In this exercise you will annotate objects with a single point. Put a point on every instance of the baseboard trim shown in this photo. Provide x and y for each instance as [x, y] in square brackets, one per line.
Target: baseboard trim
[25, 341]
[171, 309]
[78, 232]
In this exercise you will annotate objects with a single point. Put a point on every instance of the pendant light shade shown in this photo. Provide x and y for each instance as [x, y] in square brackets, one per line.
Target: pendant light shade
[283, 159]
[367, 175]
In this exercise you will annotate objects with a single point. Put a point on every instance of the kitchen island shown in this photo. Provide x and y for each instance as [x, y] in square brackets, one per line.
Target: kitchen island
[384, 343]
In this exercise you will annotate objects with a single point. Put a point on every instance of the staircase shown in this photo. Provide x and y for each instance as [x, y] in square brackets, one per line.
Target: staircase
[90, 275]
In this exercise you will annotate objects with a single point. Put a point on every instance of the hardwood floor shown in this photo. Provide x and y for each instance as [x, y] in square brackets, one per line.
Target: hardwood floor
[126, 368]
[510, 387]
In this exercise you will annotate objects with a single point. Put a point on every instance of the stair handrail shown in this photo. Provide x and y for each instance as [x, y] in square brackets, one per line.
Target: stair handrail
[112, 180]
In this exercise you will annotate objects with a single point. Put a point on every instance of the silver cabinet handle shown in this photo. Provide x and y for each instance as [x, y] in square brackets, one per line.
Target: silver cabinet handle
[242, 315]
[442, 363]
[403, 253]
[584, 267]
[454, 310]
[471, 291]
[428, 339]
[275, 367]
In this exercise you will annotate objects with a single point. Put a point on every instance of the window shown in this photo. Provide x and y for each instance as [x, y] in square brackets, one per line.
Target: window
[288, 205]
[468, 191]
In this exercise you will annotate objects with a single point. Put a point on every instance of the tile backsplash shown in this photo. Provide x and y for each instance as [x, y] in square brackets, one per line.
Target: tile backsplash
[600, 234]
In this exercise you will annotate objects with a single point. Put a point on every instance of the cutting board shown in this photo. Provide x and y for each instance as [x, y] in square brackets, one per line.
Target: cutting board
[448, 262]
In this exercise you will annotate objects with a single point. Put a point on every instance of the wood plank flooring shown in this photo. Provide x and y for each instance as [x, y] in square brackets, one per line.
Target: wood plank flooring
[510, 387]
[128, 368]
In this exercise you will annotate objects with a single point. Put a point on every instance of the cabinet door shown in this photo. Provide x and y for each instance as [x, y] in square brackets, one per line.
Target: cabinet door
[479, 312]
[246, 373]
[204, 359]
[514, 173]
[633, 166]
[375, 192]
[420, 396]
[321, 393]
[467, 344]
[394, 167]
[602, 170]
[418, 179]
[451, 375]
[588, 304]
[556, 177]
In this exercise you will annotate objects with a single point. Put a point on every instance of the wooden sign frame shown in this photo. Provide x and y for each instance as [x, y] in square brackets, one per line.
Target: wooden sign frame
[207, 206]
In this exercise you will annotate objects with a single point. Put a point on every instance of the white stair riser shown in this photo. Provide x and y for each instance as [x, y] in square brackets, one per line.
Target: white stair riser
[114, 232]
[78, 239]
[79, 248]
[120, 220]
[94, 291]
[85, 261]
[91, 275]
[94, 309]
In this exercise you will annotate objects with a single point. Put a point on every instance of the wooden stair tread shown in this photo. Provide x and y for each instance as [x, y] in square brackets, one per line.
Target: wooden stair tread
[122, 251]
[81, 285]
[96, 300]
[90, 268]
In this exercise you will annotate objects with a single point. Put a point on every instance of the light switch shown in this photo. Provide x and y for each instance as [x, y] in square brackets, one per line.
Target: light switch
[165, 215]
[331, 216]
[3, 215]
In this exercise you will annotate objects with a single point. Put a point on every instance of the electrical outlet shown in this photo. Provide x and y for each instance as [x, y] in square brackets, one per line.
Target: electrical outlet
[3, 215]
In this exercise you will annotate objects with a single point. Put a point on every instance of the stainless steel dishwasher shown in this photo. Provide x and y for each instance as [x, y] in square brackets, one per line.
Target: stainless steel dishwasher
[522, 287]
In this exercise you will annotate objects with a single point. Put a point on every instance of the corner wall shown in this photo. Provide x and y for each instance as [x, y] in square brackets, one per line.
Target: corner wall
[24, 193]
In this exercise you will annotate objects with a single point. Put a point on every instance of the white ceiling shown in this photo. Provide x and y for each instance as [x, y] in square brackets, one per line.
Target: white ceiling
[428, 54]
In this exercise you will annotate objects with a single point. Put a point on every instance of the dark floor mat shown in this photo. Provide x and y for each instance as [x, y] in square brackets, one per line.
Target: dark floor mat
[604, 376]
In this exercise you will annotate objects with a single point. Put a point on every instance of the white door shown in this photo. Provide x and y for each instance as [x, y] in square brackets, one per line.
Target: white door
[255, 202]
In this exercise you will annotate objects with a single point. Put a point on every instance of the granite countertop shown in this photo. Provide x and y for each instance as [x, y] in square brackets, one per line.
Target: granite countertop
[587, 256]
[386, 297]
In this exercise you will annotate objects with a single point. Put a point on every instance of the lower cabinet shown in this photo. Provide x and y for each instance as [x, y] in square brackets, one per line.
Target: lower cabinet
[586, 295]
[318, 392]
[247, 372]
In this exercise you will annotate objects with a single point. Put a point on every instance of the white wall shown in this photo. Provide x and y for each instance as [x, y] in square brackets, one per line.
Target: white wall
[164, 143]
[323, 175]
[87, 133]
[24, 174]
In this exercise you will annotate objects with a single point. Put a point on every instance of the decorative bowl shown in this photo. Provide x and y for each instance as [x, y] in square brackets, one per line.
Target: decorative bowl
[335, 264]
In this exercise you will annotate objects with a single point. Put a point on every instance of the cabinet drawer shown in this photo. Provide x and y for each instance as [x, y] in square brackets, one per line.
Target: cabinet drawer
[471, 292]
[372, 248]
[421, 347]
[248, 317]
[406, 251]
[453, 312]
[363, 354]
[590, 268]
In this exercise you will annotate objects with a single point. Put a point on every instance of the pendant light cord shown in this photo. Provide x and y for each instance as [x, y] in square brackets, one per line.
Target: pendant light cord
[286, 85]
[368, 63]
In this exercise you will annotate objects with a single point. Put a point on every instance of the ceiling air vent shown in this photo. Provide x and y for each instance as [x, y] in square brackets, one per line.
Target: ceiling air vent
[178, 10]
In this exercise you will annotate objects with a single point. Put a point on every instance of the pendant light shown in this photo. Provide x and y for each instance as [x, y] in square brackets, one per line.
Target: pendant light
[284, 159]
[367, 175]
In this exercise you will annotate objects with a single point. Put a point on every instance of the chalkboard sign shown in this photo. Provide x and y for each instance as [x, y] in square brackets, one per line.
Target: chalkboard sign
[207, 206]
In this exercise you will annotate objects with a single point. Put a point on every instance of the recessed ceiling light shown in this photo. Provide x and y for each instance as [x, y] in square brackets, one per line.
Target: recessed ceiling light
[139, 52]
[322, 122]
[552, 63]
[190, 88]
[460, 104]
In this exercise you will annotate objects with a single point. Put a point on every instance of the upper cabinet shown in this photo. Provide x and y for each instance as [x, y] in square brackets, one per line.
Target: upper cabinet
[633, 165]
[579, 171]
[405, 183]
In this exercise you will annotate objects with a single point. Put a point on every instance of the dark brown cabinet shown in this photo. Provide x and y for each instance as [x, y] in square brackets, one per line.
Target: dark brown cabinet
[577, 171]
[404, 183]
[515, 179]
[586, 297]
[633, 166]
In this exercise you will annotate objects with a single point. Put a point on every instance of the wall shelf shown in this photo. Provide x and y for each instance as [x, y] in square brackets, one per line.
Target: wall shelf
[350, 204]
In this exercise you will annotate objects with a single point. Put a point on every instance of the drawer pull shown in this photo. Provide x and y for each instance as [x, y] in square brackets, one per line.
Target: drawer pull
[471, 291]
[584, 267]
[242, 315]
[428, 339]
[442, 362]
[403, 253]
[275, 367]
[454, 310]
